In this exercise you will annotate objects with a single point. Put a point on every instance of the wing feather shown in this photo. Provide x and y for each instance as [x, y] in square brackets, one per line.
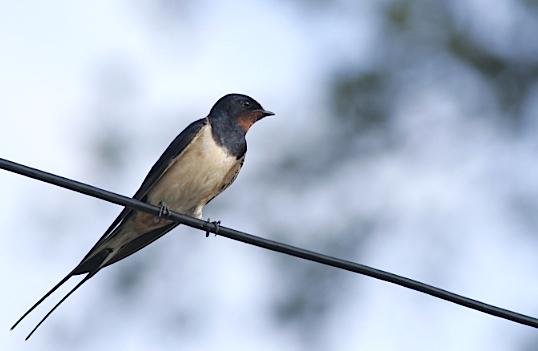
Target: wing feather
[174, 150]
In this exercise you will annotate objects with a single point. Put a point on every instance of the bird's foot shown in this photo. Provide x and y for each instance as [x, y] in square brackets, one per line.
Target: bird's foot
[216, 223]
[163, 212]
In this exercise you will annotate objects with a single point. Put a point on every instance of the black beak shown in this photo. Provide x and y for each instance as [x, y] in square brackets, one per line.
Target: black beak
[265, 113]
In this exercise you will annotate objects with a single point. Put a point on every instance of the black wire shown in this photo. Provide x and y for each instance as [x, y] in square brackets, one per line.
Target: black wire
[268, 244]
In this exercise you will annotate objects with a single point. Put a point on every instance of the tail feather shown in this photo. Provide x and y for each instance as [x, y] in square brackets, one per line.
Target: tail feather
[59, 303]
[98, 257]
[102, 255]
[43, 298]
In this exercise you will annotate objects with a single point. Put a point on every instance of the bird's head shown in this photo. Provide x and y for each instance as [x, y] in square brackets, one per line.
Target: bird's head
[240, 109]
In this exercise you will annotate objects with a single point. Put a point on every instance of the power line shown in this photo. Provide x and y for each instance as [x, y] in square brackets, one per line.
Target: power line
[267, 244]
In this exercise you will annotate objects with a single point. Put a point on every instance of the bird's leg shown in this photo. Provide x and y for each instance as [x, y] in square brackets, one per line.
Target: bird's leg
[217, 223]
[163, 212]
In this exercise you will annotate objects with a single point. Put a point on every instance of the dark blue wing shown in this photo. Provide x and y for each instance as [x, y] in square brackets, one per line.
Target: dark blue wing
[174, 150]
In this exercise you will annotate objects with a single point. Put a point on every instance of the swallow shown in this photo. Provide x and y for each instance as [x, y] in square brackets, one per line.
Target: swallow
[201, 162]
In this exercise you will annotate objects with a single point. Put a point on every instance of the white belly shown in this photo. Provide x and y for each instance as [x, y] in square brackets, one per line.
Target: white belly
[199, 174]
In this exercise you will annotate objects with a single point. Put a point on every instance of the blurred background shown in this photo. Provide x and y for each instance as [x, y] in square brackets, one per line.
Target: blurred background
[405, 138]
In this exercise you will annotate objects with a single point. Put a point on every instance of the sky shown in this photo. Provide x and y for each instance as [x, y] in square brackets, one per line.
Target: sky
[446, 194]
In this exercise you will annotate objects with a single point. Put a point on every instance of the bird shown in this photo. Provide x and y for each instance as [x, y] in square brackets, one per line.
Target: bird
[199, 164]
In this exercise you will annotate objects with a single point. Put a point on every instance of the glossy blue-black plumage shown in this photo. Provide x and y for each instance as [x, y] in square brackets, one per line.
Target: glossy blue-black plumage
[224, 117]
[229, 120]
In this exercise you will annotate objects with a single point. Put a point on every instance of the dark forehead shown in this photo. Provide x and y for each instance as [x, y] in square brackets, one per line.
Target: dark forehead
[234, 98]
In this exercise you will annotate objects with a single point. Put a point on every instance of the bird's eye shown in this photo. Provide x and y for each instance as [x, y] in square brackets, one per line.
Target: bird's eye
[246, 103]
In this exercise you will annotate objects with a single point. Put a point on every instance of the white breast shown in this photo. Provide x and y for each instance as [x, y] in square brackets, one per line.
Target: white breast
[201, 172]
